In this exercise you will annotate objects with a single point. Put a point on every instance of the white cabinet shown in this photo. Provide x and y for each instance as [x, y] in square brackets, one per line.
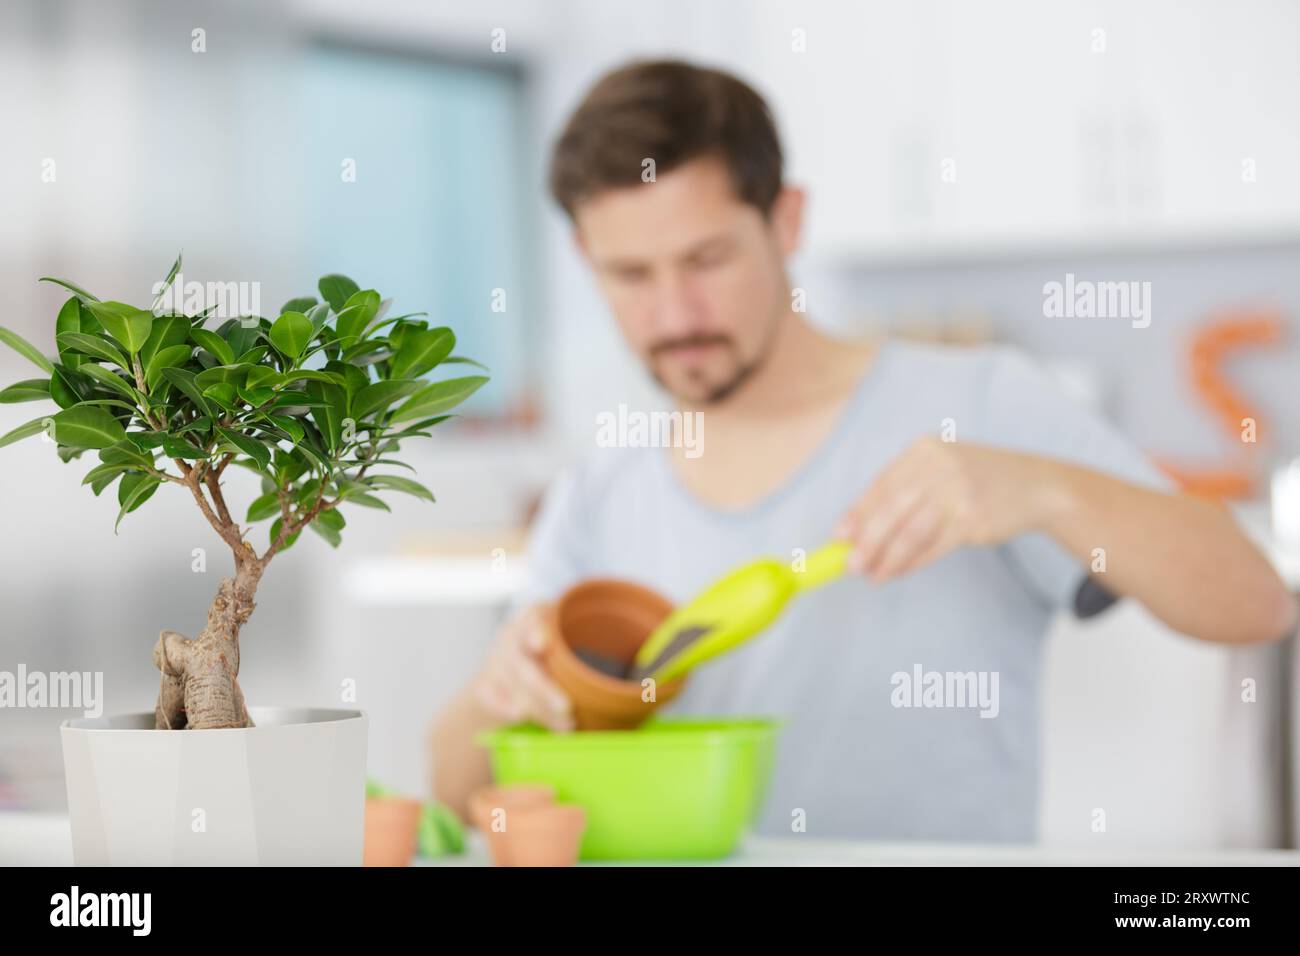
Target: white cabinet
[1150, 740]
[947, 127]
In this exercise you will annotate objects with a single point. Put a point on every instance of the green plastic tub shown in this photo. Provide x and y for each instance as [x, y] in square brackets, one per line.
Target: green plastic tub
[674, 789]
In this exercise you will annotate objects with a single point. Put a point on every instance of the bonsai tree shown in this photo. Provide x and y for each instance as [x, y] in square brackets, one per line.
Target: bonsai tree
[316, 403]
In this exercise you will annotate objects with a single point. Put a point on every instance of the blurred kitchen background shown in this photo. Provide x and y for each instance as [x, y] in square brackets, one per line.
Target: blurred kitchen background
[959, 156]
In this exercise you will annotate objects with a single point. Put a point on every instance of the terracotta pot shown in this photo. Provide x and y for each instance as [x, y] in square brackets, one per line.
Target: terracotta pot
[612, 619]
[391, 825]
[513, 801]
[546, 836]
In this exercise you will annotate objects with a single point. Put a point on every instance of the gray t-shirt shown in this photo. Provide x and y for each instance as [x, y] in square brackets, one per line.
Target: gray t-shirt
[842, 661]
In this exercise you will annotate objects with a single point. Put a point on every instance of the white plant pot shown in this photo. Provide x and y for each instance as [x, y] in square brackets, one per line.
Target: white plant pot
[289, 791]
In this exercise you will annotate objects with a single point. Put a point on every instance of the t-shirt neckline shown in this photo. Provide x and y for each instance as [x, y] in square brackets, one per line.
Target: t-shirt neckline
[849, 415]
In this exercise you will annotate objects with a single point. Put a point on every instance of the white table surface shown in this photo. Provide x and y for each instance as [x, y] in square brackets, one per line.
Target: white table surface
[43, 839]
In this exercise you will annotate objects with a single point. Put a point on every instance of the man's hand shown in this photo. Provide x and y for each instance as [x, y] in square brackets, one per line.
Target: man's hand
[513, 685]
[939, 496]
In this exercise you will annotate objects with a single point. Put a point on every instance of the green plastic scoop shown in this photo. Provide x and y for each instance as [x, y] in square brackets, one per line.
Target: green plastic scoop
[732, 610]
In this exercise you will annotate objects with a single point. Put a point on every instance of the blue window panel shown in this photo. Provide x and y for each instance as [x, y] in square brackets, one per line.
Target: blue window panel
[434, 219]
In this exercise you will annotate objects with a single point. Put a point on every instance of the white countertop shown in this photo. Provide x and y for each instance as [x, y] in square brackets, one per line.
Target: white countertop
[810, 851]
[35, 839]
[43, 839]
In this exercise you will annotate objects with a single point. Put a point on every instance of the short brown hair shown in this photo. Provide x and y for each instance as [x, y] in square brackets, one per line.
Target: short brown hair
[671, 112]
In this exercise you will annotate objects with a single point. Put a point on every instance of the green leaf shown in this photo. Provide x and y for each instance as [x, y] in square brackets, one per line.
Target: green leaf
[28, 390]
[25, 430]
[365, 500]
[101, 476]
[417, 427]
[377, 324]
[111, 379]
[264, 507]
[256, 397]
[242, 334]
[295, 400]
[83, 427]
[354, 378]
[68, 320]
[92, 345]
[216, 346]
[134, 491]
[251, 447]
[67, 388]
[311, 375]
[319, 315]
[125, 453]
[290, 465]
[398, 483]
[379, 395]
[127, 324]
[291, 333]
[438, 397]
[421, 350]
[330, 413]
[308, 491]
[262, 376]
[329, 525]
[110, 403]
[184, 381]
[375, 462]
[253, 356]
[336, 290]
[146, 441]
[173, 356]
[200, 424]
[175, 447]
[76, 290]
[355, 315]
[367, 352]
[167, 331]
[103, 481]
[26, 349]
[223, 393]
[167, 282]
[300, 304]
[397, 336]
[290, 426]
[221, 374]
[316, 457]
[462, 360]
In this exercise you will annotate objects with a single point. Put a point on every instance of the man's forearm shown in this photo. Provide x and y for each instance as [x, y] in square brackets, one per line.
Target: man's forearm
[1183, 557]
[460, 766]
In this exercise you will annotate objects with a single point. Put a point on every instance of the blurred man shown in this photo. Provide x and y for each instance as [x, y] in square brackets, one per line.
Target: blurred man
[975, 495]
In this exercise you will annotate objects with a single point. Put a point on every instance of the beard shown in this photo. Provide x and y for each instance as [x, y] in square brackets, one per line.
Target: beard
[704, 391]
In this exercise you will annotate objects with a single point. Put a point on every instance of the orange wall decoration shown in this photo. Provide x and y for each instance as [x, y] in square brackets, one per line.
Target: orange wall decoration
[1220, 336]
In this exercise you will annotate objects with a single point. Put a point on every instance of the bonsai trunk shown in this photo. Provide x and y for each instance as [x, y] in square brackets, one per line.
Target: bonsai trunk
[199, 688]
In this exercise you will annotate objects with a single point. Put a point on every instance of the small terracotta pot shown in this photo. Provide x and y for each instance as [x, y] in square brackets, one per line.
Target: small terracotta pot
[610, 618]
[391, 825]
[513, 801]
[546, 836]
